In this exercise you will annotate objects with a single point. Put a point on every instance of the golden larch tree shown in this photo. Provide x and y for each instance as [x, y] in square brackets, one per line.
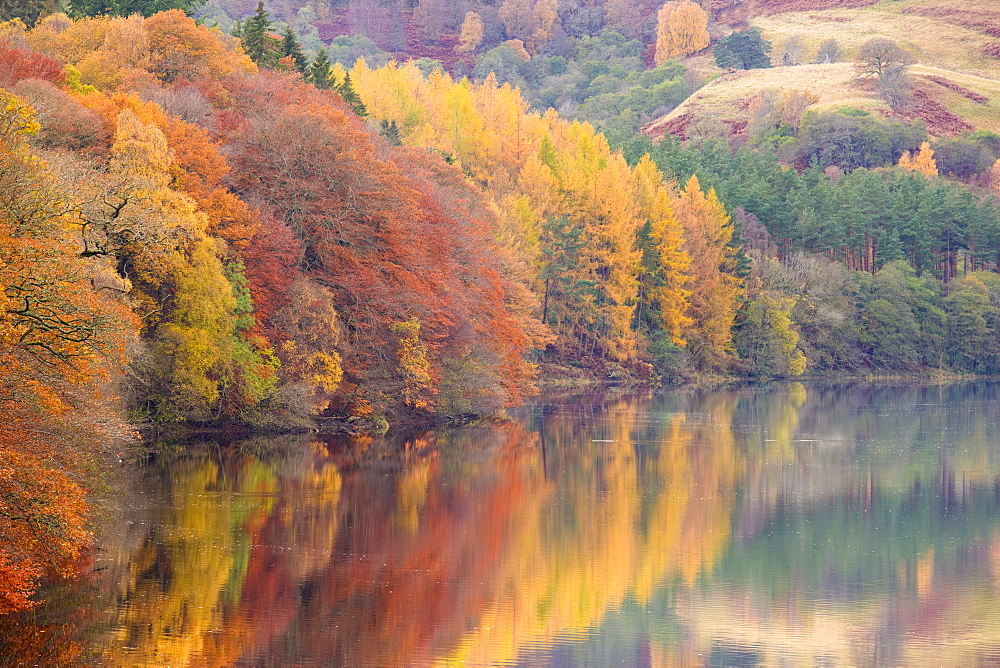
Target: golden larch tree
[922, 162]
[471, 35]
[681, 28]
[668, 275]
[715, 291]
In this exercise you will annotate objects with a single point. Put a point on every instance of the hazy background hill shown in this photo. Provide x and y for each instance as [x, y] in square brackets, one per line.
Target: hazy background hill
[954, 81]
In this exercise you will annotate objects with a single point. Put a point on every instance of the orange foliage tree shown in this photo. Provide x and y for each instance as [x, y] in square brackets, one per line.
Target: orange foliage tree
[715, 290]
[59, 336]
[387, 239]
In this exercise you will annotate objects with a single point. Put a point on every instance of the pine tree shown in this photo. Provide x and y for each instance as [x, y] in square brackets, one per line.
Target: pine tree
[745, 50]
[351, 97]
[256, 38]
[291, 47]
[320, 74]
[390, 130]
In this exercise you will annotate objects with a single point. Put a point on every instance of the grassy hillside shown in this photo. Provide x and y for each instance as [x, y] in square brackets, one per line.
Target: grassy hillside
[956, 80]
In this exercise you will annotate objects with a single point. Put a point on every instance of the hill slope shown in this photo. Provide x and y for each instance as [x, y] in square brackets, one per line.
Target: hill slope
[956, 79]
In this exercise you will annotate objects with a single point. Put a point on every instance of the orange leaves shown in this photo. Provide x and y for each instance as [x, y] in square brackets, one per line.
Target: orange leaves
[922, 162]
[58, 339]
[20, 62]
[181, 49]
[393, 239]
[715, 292]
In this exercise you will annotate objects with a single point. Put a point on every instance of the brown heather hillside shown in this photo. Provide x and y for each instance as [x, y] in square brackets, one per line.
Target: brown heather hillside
[730, 12]
[956, 81]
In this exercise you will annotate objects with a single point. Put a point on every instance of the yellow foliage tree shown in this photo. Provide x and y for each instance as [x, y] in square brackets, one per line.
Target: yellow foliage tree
[197, 339]
[681, 28]
[545, 18]
[309, 355]
[471, 34]
[922, 162]
[125, 49]
[994, 176]
[715, 291]
[413, 363]
[665, 277]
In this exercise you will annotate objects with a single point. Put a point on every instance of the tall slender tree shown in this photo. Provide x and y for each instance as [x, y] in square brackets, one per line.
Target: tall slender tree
[255, 34]
[291, 47]
[320, 73]
[715, 290]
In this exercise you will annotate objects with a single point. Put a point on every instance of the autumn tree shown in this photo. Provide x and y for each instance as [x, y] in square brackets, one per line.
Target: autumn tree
[766, 337]
[715, 290]
[60, 339]
[181, 49]
[923, 162]
[130, 7]
[18, 61]
[125, 51]
[629, 18]
[994, 177]
[545, 18]
[471, 35]
[792, 106]
[530, 21]
[681, 29]
[665, 262]
[384, 237]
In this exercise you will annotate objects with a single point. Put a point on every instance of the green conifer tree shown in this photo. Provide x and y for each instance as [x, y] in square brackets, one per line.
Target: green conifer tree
[351, 97]
[290, 47]
[391, 133]
[319, 73]
[257, 41]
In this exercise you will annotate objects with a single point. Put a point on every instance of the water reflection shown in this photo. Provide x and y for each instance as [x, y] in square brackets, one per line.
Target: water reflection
[787, 524]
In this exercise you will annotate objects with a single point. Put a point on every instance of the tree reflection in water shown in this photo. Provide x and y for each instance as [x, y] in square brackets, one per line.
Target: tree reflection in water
[852, 524]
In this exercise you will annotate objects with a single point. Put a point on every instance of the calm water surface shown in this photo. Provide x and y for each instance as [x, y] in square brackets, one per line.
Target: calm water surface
[783, 525]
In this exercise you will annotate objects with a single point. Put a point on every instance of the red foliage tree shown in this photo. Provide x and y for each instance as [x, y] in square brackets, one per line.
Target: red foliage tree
[392, 244]
[22, 62]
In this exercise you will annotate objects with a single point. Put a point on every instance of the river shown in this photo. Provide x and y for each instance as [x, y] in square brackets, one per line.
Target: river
[791, 524]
